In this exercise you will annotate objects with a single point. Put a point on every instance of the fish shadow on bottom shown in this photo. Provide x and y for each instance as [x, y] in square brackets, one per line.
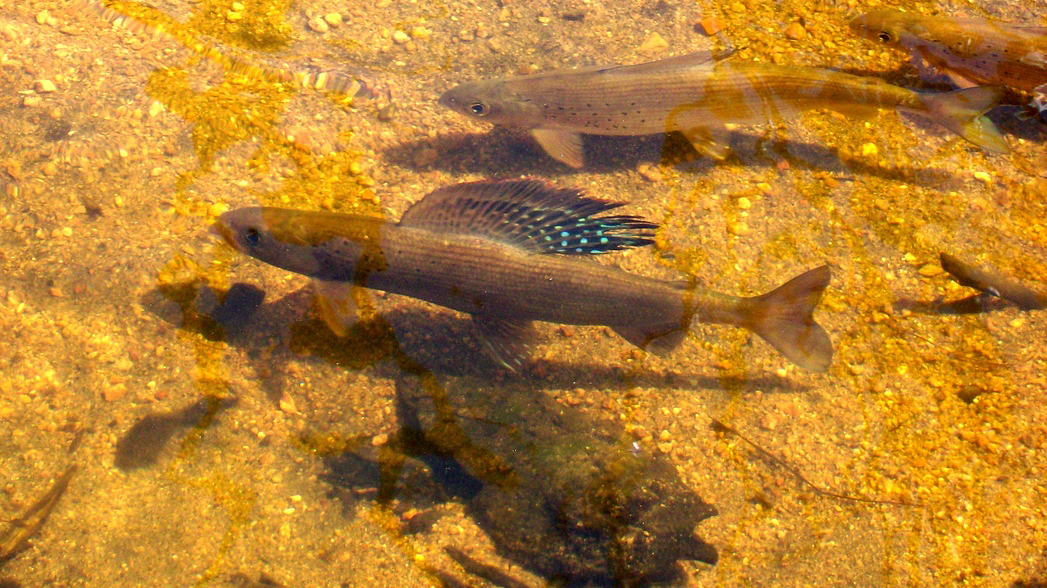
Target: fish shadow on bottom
[503, 152]
[149, 439]
[558, 492]
[415, 338]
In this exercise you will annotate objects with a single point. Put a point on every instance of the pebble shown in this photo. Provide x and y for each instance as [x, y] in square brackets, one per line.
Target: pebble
[654, 43]
[380, 439]
[744, 203]
[425, 156]
[930, 270]
[494, 44]
[44, 87]
[400, 37]
[795, 32]
[287, 405]
[737, 228]
[114, 392]
[420, 32]
[319, 25]
[711, 25]
[650, 172]
[870, 150]
[333, 18]
[32, 100]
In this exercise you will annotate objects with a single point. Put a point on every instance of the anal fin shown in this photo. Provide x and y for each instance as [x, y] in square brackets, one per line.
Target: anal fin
[563, 146]
[659, 341]
[507, 341]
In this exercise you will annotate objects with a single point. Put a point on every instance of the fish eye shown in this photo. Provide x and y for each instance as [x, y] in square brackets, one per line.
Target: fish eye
[885, 37]
[478, 108]
[252, 237]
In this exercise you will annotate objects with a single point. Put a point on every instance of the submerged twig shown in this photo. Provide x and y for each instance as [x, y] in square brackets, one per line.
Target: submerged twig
[16, 538]
[720, 427]
[993, 283]
[485, 571]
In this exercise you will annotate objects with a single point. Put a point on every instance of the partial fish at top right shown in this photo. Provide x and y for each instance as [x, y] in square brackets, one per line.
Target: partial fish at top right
[971, 51]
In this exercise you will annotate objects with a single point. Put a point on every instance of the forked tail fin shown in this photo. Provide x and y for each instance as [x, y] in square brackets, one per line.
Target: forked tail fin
[784, 318]
[961, 112]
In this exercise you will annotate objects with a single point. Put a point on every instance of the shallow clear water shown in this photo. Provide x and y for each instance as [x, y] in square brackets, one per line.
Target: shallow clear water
[223, 439]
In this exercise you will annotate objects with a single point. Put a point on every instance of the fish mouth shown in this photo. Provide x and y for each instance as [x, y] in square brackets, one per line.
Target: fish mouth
[223, 231]
[447, 99]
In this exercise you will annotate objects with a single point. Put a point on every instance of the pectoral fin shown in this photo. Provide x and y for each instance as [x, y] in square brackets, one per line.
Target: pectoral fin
[505, 340]
[563, 146]
[711, 140]
[657, 340]
[335, 305]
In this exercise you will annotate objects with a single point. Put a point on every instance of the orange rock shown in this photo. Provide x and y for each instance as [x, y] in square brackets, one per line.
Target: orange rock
[795, 32]
[711, 25]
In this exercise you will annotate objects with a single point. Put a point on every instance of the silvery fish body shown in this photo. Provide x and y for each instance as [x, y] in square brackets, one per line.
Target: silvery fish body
[513, 252]
[698, 96]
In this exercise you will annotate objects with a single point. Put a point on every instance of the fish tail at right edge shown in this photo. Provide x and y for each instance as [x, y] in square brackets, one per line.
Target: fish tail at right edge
[784, 318]
[962, 112]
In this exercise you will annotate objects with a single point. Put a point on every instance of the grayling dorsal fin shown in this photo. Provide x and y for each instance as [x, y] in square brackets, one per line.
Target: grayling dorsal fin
[686, 61]
[530, 214]
[506, 341]
[563, 146]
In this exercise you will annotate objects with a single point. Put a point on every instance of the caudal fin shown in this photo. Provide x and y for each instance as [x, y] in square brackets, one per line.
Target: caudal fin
[784, 318]
[961, 112]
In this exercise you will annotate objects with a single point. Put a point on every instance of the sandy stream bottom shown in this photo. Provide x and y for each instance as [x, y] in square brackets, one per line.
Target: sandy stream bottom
[112, 171]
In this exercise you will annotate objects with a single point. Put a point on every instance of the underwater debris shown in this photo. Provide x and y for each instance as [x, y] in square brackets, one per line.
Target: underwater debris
[993, 283]
[21, 530]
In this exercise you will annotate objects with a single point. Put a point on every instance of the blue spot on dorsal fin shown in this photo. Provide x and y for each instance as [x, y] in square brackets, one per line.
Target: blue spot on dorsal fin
[530, 214]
